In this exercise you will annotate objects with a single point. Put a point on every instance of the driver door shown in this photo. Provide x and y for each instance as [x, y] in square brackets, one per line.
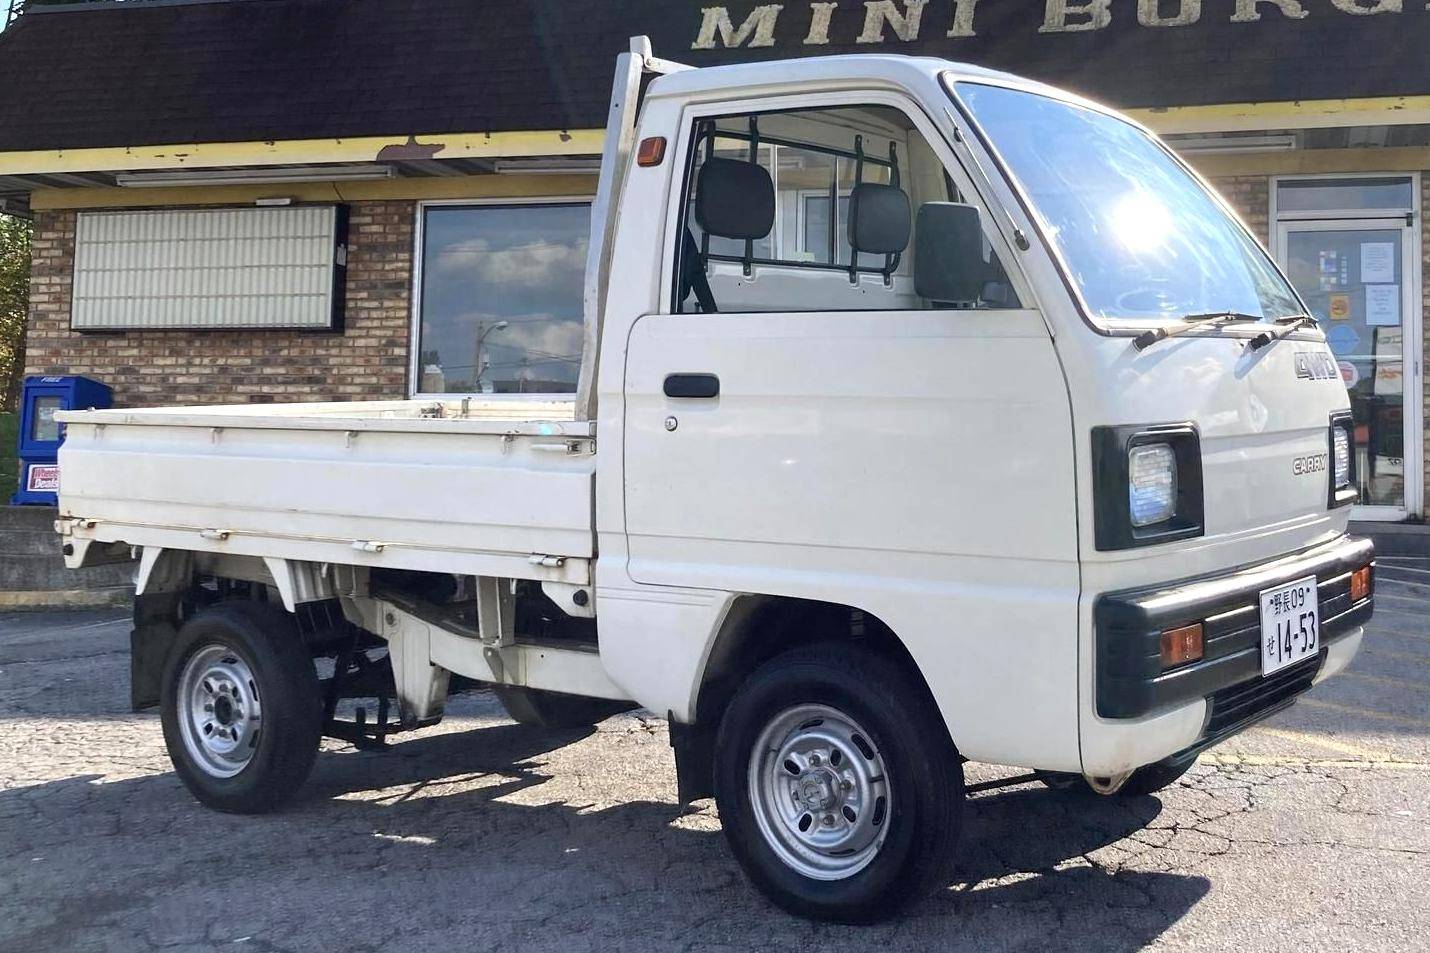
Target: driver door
[827, 433]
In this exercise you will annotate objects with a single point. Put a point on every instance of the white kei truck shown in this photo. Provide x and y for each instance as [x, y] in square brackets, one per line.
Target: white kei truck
[926, 414]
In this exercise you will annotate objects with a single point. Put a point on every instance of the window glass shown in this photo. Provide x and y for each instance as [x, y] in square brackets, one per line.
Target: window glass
[819, 240]
[805, 260]
[501, 305]
[1316, 195]
[45, 426]
[803, 180]
[1141, 238]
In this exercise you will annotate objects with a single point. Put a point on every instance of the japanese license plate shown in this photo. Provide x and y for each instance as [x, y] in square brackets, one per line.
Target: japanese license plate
[1290, 624]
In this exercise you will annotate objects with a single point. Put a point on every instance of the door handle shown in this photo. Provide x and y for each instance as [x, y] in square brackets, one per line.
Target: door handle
[692, 386]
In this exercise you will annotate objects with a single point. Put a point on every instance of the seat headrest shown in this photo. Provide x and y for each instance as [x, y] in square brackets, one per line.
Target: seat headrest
[734, 199]
[879, 219]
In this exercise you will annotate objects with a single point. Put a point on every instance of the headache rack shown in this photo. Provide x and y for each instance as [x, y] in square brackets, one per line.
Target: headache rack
[705, 137]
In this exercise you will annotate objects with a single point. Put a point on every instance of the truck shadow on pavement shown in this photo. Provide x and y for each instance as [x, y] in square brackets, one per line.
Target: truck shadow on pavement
[470, 837]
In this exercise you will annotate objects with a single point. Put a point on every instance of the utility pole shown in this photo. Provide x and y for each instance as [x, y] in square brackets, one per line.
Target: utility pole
[477, 368]
[13, 8]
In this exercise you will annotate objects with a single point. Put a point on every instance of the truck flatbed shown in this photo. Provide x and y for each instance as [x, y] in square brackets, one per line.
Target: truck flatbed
[492, 486]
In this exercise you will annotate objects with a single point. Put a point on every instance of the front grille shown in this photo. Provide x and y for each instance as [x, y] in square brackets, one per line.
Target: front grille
[1249, 700]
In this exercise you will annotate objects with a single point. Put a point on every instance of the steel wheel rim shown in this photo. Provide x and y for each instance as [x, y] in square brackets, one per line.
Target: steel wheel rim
[220, 715]
[820, 792]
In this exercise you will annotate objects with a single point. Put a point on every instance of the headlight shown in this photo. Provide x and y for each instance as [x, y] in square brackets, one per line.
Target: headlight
[1343, 461]
[1146, 484]
[1341, 455]
[1151, 483]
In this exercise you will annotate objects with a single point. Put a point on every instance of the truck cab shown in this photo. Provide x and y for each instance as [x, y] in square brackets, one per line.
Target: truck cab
[927, 415]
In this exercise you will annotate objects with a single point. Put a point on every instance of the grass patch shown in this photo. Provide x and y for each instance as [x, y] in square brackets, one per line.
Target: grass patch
[9, 465]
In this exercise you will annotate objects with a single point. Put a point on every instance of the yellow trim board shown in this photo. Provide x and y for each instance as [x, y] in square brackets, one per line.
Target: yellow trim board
[1313, 161]
[1303, 114]
[504, 186]
[1229, 117]
[496, 145]
[1317, 161]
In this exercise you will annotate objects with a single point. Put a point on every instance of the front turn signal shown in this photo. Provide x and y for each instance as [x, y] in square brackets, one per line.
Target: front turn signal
[1181, 645]
[1360, 584]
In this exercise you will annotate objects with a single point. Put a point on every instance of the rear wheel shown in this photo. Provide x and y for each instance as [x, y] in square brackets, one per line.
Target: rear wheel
[532, 706]
[839, 790]
[241, 707]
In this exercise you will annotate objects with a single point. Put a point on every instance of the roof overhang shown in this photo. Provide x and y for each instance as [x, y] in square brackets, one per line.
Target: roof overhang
[464, 154]
[448, 146]
[1303, 114]
[1228, 117]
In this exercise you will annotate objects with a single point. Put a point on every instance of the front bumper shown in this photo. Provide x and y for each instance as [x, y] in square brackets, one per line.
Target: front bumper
[1130, 682]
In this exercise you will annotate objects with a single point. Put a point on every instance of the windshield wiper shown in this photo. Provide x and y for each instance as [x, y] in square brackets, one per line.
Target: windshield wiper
[1193, 321]
[1289, 327]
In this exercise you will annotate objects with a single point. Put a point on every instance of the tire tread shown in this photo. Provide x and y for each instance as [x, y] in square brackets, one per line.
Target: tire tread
[911, 726]
[292, 706]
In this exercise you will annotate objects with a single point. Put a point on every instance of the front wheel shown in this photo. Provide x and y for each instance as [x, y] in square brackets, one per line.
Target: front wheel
[241, 707]
[1148, 779]
[1152, 778]
[838, 788]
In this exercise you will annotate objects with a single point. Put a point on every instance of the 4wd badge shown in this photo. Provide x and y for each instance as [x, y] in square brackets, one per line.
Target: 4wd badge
[1317, 366]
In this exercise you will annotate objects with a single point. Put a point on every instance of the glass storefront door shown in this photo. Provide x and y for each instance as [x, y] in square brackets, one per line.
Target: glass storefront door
[1359, 277]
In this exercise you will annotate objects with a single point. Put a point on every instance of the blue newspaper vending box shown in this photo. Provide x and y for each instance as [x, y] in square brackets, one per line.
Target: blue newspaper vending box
[41, 435]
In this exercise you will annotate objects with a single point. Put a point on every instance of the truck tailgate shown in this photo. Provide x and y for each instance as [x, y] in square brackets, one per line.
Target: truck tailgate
[374, 484]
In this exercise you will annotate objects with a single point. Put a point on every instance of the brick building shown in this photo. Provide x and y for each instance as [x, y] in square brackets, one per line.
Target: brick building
[392, 195]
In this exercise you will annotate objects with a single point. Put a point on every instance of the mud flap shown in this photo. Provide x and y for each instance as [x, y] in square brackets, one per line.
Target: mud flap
[150, 640]
[694, 760]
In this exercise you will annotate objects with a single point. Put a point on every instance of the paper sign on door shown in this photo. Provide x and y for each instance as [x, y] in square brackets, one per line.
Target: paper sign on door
[1382, 305]
[1377, 261]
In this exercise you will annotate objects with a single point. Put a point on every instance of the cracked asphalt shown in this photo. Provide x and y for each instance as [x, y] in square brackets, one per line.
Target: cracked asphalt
[1310, 832]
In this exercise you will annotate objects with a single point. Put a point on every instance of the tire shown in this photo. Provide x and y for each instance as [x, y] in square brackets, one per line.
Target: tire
[543, 709]
[1152, 778]
[833, 712]
[229, 663]
[1146, 780]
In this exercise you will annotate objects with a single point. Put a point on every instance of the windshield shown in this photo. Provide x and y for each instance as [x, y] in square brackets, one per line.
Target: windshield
[1140, 237]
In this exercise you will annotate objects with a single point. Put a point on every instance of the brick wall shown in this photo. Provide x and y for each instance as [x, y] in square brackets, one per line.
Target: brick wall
[1250, 195]
[367, 360]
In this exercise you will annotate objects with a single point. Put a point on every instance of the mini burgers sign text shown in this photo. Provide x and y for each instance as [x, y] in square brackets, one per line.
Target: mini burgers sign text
[879, 21]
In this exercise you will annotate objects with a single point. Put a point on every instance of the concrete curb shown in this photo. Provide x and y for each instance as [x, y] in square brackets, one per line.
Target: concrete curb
[1396, 539]
[66, 598]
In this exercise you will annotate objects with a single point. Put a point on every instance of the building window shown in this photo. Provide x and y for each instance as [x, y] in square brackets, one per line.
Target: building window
[201, 269]
[500, 298]
[1358, 194]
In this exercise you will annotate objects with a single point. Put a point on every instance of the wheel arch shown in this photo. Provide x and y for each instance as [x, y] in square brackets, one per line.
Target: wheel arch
[169, 590]
[754, 630]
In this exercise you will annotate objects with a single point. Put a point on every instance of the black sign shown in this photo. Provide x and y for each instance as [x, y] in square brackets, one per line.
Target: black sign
[1131, 53]
[137, 74]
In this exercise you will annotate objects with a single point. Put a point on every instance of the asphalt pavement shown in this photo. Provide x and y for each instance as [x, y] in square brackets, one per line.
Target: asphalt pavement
[1309, 832]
